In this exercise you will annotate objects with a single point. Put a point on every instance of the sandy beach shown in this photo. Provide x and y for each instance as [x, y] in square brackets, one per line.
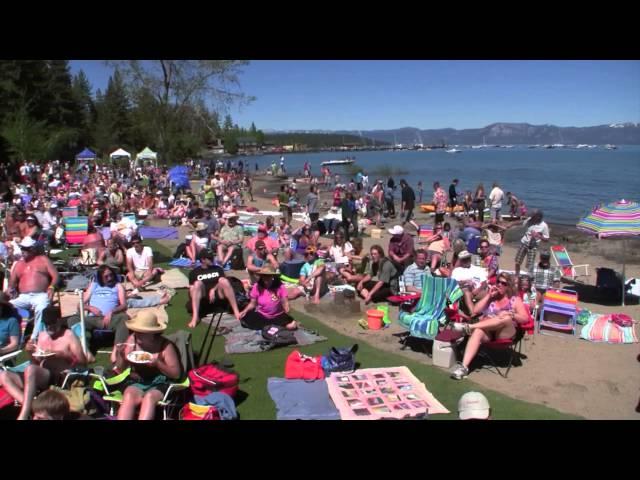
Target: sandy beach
[596, 381]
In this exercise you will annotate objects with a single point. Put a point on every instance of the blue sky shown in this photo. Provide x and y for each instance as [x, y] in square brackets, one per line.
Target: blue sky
[366, 95]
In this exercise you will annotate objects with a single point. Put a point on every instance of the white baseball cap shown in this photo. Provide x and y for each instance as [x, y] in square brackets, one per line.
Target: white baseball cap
[464, 255]
[397, 230]
[27, 242]
[473, 405]
[226, 198]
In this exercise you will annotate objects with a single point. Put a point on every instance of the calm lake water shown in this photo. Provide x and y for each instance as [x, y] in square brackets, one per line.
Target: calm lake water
[564, 183]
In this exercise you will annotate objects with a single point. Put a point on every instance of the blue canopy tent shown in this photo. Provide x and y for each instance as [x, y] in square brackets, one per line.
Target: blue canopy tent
[84, 157]
[179, 177]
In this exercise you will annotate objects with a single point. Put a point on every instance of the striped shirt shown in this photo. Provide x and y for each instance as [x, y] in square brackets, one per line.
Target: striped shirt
[413, 276]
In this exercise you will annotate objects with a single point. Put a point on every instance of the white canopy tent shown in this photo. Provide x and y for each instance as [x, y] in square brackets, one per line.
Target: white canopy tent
[120, 153]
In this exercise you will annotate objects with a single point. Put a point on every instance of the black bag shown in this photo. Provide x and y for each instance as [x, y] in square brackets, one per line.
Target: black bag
[278, 336]
[340, 360]
[181, 250]
[238, 289]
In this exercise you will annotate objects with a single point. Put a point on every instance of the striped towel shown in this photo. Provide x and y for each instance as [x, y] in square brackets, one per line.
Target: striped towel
[602, 329]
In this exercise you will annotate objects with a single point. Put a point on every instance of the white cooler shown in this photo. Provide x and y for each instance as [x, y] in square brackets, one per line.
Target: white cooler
[444, 353]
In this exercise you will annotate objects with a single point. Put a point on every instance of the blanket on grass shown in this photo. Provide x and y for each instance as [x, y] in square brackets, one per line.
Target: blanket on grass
[242, 340]
[301, 400]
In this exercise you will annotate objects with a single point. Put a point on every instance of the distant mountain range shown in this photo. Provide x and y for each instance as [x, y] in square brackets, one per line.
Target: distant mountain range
[498, 133]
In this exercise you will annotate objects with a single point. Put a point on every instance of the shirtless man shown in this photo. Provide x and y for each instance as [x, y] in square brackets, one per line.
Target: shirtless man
[35, 278]
[44, 370]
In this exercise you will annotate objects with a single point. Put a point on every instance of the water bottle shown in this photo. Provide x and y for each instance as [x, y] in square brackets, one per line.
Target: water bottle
[401, 285]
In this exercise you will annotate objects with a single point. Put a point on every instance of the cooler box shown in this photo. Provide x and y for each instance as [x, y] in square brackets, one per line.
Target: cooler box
[444, 348]
[291, 268]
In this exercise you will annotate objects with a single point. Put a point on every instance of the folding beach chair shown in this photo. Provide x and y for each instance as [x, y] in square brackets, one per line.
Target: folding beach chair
[69, 212]
[424, 322]
[511, 346]
[562, 260]
[76, 229]
[558, 313]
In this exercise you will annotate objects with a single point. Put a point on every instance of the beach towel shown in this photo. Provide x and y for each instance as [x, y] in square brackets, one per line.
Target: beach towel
[376, 393]
[172, 278]
[602, 329]
[149, 233]
[425, 321]
[301, 400]
[184, 263]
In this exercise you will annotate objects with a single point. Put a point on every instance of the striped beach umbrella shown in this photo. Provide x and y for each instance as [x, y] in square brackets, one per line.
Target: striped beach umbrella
[616, 219]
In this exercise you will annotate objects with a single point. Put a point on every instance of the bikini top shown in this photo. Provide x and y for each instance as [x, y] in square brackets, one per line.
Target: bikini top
[494, 309]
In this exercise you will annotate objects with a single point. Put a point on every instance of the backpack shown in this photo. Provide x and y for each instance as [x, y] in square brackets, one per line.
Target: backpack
[299, 366]
[193, 411]
[5, 398]
[622, 320]
[340, 360]
[213, 378]
[238, 289]
[278, 336]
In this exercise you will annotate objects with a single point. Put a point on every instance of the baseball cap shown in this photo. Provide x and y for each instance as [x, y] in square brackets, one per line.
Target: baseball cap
[464, 255]
[473, 405]
[260, 243]
[263, 229]
[32, 218]
[27, 242]
[201, 226]
[397, 230]
[226, 198]
[543, 254]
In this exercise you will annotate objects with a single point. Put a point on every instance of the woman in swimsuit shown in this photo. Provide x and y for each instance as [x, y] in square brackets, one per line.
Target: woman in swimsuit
[502, 311]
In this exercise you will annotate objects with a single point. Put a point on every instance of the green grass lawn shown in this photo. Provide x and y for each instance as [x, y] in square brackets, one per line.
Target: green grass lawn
[254, 401]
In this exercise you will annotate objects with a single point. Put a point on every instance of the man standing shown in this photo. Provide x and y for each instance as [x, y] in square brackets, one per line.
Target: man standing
[495, 197]
[440, 202]
[401, 250]
[218, 189]
[407, 204]
[312, 204]
[545, 276]
[35, 278]
[453, 195]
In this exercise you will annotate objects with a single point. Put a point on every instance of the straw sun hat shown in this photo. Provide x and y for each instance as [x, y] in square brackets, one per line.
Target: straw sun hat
[146, 322]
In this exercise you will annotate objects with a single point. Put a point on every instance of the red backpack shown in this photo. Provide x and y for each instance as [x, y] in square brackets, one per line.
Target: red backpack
[213, 378]
[5, 398]
[299, 366]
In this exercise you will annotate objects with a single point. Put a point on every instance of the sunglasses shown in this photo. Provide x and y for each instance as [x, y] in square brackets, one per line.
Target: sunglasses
[502, 282]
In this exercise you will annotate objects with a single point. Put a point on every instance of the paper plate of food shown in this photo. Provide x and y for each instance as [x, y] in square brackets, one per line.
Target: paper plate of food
[43, 353]
[140, 356]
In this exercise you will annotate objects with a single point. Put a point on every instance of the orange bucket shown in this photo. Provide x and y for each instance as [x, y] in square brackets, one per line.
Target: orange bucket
[374, 319]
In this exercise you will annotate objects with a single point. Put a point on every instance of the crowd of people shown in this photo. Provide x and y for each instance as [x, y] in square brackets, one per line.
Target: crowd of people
[283, 262]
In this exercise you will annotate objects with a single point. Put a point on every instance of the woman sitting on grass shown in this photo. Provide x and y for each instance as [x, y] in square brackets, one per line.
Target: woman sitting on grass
[269, 304]
[375, 286]
[502, 311]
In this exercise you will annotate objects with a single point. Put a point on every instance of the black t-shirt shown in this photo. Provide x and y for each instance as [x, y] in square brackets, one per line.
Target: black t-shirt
[208, 276]
[452, 191]
[409, 198]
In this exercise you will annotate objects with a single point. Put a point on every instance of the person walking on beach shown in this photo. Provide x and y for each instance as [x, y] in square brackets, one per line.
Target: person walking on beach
[440, 202]
[479, 201]
[495, 197]
[420, 191]
[407, 204]
[537, 231]
[453, 195]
